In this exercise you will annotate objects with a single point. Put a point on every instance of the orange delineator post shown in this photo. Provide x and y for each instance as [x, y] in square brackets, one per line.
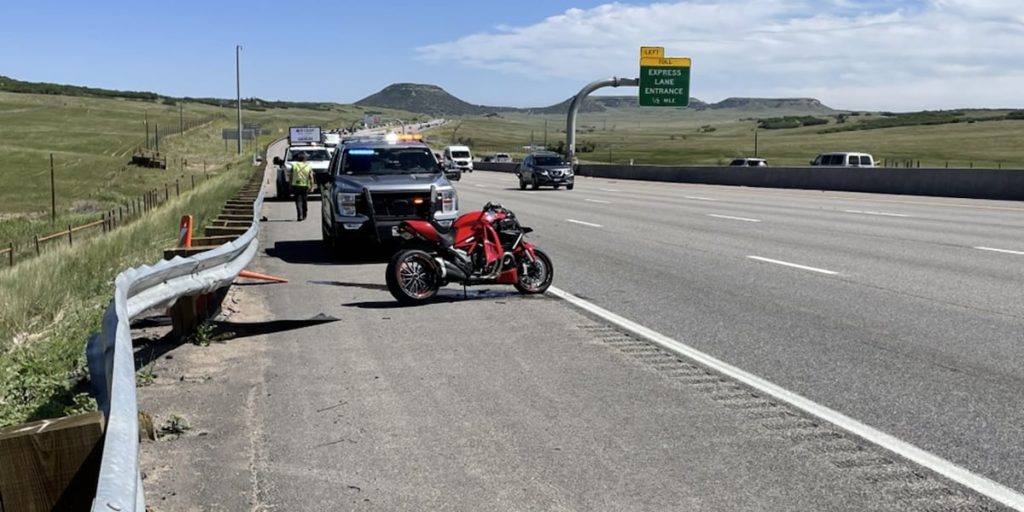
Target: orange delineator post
[262, 277]
[185, 234]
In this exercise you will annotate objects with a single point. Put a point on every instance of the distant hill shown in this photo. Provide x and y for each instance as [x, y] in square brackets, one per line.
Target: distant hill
[809, 104]
[425, 99]
[435, 101]
[602, 103]
[8, 84]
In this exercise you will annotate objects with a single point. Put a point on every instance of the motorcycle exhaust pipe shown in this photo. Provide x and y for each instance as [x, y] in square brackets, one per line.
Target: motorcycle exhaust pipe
[453, 272]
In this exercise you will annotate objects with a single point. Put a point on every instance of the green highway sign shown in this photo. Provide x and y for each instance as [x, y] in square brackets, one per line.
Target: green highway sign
[664, 82]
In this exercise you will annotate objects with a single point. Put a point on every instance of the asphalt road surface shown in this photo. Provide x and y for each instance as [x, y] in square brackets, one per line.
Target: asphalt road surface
[880, 307]
[905, 313]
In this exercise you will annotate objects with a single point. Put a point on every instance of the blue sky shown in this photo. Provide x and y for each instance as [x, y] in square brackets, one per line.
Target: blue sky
[858, 54]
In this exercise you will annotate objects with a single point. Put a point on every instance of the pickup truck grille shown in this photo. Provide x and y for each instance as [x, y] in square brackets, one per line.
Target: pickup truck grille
[400, 205]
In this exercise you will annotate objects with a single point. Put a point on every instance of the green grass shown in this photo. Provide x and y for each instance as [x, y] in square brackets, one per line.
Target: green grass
[92, 140]
[672, 136]
[49, 305]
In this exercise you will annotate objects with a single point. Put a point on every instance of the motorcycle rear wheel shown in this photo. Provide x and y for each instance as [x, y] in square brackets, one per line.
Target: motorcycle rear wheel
[412, 277]
[538, 276]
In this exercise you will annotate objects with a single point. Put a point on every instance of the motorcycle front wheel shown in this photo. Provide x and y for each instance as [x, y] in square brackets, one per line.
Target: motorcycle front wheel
[412, 277]
[535, 276]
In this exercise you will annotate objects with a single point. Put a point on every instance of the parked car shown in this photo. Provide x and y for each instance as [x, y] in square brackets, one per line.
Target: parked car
[844, 159]
[749, 162]
[545, 168]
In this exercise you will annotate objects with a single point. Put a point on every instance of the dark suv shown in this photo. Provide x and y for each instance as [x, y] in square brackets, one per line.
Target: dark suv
[376, 184]
[545, 168]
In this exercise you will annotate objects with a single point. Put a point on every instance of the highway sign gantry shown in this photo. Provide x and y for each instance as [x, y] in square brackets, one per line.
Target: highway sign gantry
[664, 81]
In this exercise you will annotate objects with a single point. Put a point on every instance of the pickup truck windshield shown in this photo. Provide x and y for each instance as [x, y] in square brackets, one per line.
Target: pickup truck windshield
[312, 155]
[389, 161]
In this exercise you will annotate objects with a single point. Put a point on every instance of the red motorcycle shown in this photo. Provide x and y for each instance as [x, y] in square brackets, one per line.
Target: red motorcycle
[481, 247]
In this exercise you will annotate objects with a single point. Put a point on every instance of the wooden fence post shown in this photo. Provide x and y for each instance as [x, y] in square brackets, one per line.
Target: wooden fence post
[103, 218]
[70, 242]
[177, 189]
[10, 255]
[37, 245]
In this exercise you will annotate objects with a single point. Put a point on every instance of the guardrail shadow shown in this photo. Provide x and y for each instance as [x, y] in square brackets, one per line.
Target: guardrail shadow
[313, 252]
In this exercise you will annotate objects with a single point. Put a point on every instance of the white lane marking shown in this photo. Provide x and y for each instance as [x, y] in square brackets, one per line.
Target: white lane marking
[993, 249]
[948, 469]
[574, 221]
[699, 198]
[477, 185]
[882, 214]
[611, 190]
[730, 217]
[598, 201]
[794, 265]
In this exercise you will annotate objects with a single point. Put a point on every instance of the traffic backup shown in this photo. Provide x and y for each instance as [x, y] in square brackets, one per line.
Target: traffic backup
[375, 184]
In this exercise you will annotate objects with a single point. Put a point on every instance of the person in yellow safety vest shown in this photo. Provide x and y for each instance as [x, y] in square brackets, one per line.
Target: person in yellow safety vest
[302, 184]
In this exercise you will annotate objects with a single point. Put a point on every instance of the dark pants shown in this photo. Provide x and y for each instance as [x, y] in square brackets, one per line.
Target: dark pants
[301, 195]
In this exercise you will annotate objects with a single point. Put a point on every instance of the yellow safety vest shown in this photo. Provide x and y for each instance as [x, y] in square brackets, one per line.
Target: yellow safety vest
[301, 174]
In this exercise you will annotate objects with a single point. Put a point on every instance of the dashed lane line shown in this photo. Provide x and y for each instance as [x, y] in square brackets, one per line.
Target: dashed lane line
[730, 217]
[582, 223]
[794, 265]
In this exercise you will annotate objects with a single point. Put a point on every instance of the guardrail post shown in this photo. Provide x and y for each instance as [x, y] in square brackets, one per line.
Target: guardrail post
[184, 317]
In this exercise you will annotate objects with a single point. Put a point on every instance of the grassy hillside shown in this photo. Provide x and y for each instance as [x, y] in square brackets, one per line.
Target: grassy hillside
[92, 140]
[714, 136]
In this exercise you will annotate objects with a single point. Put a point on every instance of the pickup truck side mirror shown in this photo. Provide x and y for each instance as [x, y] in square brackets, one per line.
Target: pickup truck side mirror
[278, 161]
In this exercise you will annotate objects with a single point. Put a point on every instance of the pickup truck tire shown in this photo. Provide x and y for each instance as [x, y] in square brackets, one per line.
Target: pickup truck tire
[522, 184]
[569, 186]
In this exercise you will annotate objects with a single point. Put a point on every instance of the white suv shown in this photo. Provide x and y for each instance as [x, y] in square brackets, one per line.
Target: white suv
[844, 160]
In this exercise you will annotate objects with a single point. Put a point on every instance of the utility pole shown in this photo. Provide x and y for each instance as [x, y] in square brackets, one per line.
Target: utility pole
[238, 94]
[53, 194]
[755, 140]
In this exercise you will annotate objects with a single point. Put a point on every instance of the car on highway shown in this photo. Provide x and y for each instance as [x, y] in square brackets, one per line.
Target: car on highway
[844, 159]
[545, 168]
[458, 157]
[502, 158]
[748, 162]
[318, 157]
[375, 184]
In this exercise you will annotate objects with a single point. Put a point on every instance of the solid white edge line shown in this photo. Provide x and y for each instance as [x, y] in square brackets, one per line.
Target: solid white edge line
[730, 217]
[1007, 251]
[591, 224]
[794, 265]
[699, 198]
[598, 201]
[950, 470]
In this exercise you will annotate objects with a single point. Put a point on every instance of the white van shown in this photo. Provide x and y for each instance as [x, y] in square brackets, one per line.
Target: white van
[844, 160]
[458, 157]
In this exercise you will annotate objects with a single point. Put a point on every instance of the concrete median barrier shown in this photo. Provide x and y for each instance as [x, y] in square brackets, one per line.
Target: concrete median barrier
[1006, 184]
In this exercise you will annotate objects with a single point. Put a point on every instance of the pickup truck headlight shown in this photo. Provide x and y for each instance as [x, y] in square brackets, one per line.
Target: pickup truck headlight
[346, 204]
[449, 201]
[543, 172]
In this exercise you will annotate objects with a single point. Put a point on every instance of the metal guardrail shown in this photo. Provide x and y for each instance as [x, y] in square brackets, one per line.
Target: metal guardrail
[112, 362]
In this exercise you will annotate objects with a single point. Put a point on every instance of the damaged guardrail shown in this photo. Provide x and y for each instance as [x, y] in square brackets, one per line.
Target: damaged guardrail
[112, 362]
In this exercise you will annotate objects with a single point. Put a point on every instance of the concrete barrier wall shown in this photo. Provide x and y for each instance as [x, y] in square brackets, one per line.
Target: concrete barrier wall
[970, 183]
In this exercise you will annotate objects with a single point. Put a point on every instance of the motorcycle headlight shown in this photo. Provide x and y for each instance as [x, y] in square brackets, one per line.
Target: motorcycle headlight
[346, 204]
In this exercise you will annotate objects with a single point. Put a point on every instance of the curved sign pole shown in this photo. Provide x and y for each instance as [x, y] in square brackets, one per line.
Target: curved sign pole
[570, 123]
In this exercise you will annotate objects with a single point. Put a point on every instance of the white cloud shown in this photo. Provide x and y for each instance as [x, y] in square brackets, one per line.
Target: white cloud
[849, 53]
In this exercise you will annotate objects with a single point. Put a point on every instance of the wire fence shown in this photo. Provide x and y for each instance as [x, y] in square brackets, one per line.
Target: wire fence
[108, 221]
